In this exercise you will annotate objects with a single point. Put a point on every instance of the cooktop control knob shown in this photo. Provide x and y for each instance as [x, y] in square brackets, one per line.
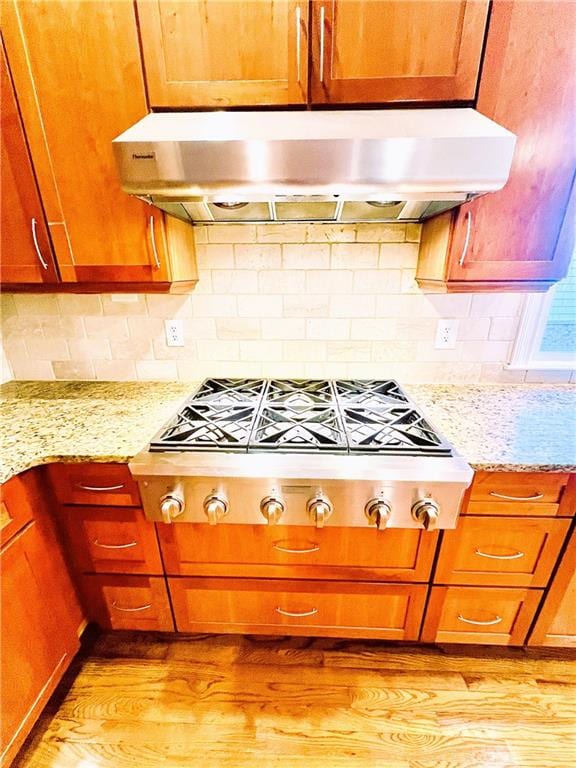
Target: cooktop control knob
[215, 507]
[378, 512]
[319, 510]
[426, 512]
[272, 509]
[171, 506]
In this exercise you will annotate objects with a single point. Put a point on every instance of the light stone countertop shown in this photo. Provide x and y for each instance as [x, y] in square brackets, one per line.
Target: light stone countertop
[517, 427]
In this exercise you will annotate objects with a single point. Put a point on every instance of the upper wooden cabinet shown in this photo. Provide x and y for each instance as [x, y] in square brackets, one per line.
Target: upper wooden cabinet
[25, 244]
[78, 76]
[393, 50]
[522, 237]
[222, 53]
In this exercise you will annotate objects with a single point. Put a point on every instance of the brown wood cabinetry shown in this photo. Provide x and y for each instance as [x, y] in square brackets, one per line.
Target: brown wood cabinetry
[78, 77]
[484, 615]
[94, 484]
[556, 624]
[222, 53]
[25, 247]
[540, 494]
[40, 615]
[128, 602]
[111, 540]
[396, 50]
[297, 552]
[501, 551]
[390, 611]
[522, 237]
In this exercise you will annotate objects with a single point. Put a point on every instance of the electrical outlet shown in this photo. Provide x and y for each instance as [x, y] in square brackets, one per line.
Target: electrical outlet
[446, 332]
[174, 333]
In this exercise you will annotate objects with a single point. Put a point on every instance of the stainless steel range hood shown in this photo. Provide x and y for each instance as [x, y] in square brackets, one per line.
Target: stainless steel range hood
[328, 166]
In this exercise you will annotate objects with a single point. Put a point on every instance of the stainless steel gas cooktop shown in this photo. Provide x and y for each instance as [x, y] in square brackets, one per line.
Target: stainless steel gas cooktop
[252, 415]
[301, 452]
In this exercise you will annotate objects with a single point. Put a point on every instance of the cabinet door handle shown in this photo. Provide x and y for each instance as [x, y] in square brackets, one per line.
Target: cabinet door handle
[153, 243]
[115, 546]
[37, 247]
[322, 14]
[468, 218]
[290, 551]
[515, 556]
[131, 610]
[296, 614]
[100, 488]
[489, 623]
[298, 13]
[534, 497]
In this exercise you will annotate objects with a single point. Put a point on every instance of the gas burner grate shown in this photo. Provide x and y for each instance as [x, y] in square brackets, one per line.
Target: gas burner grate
[230, 391]
[369, 392]
[397, 430]
[299, 393]
[204, 426]
[285, 428]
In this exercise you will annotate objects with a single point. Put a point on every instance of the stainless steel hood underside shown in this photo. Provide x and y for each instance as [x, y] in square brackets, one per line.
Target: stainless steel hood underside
[344, 166]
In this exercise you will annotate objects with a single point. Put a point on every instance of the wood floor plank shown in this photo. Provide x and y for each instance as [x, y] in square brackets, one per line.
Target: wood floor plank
[161, 701]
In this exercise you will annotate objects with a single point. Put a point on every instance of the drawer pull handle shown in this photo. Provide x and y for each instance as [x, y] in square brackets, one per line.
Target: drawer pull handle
[490, 623]
[100, 488]
[535, 497]
[115, 546]
[296, 614]
[131, 610]
[515, 556]
[290, 551]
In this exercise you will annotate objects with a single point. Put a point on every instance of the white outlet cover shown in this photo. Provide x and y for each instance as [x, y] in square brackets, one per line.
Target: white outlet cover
[174, 330]
[446, 334]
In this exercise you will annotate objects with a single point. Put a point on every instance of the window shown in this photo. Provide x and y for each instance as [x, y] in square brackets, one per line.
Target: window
[547, 334]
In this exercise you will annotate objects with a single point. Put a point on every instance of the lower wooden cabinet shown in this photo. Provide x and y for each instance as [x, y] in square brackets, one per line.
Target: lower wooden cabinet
[501, 551]
[102, 484]
[556, 624]
[40, 615]
[297, 552]
[485, 615]
[127, 602]
[111, 540]
[322, 608]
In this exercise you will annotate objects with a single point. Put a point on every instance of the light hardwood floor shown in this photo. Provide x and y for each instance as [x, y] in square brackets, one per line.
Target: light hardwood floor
[155, 701]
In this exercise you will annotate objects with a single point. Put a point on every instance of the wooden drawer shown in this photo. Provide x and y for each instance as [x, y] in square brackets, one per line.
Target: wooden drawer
[111, 540]
[521, 488]
[485, 615]
[297, 552]
[556, 624]
[501, 551]
[127, 602]
[344, 609]
[98, 484]
[16, 506]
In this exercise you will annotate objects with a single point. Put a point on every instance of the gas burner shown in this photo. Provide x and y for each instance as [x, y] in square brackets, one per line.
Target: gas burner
[369, 392]
[203, 426]
[397, 430]
[230, 391]
[299, 392]
[285, 428]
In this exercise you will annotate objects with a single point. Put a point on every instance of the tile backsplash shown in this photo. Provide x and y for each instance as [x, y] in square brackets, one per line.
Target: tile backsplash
[276, 300]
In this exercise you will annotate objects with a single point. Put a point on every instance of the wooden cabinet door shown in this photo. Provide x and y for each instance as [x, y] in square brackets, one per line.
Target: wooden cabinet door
[395, 554]
[39, 618]
[556, 624]
[111, 540]
[343, 609]
[224, 53]
[501, 551]
[77, 70]
[396, 50]
[25, 248]
[528, 85]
